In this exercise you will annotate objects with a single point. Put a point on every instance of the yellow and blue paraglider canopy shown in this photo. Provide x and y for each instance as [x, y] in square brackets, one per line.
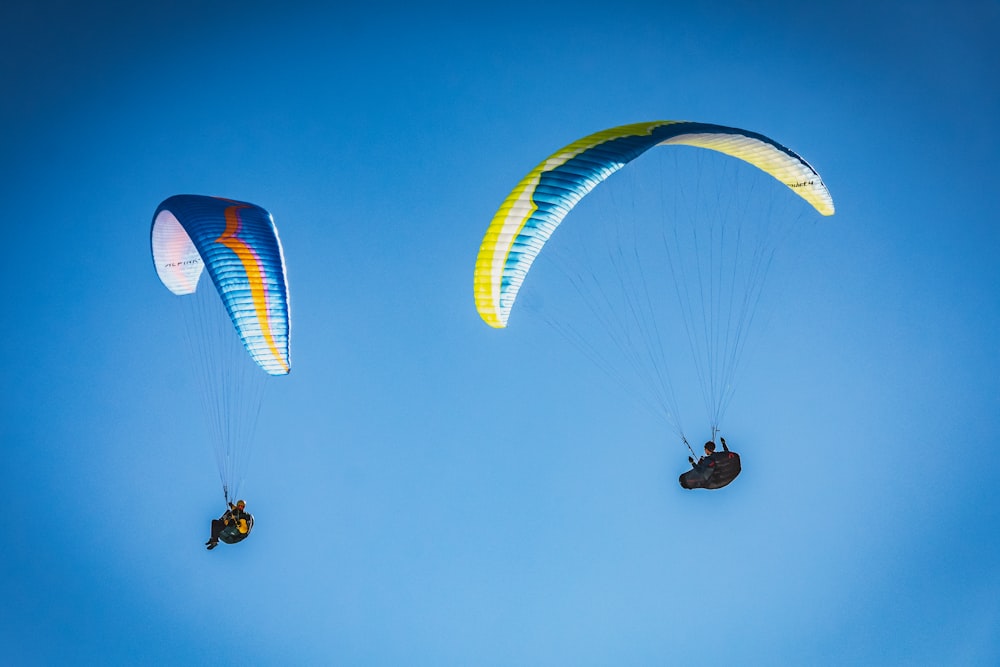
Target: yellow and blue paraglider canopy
[537, 205]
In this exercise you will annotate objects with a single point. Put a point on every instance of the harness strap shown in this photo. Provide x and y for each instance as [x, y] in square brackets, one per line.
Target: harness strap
[688, 446]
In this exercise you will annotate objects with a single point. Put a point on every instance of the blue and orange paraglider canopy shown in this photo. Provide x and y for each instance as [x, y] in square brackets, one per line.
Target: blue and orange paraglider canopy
[237, 322]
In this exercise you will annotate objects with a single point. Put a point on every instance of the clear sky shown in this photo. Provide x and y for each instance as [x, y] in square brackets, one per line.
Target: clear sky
[430, 491]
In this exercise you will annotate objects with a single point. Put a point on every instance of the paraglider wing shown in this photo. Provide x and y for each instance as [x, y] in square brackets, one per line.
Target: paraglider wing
[532, 211]
[238, 245]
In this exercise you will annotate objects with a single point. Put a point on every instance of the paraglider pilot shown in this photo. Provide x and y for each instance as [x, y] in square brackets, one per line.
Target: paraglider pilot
[236, 516]
[709, 451]
[714, 470]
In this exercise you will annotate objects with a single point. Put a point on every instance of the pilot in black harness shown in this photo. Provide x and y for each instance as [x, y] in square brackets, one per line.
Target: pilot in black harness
[714, 470]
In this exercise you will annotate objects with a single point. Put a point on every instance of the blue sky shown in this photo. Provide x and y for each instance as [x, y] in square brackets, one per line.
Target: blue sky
[429, 491]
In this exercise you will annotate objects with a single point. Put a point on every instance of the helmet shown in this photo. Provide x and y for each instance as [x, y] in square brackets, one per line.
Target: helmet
[241, 503]
[710, 446]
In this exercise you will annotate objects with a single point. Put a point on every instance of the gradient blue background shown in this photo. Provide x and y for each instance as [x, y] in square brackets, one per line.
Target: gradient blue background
[429, 491]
